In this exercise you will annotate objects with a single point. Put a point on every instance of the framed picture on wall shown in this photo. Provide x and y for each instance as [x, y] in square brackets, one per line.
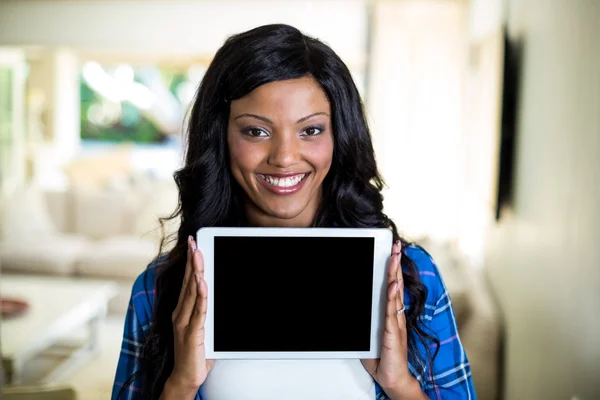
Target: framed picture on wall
[512, 49]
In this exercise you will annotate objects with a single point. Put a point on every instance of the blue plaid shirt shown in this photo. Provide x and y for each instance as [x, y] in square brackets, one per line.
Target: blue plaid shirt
[449, 379]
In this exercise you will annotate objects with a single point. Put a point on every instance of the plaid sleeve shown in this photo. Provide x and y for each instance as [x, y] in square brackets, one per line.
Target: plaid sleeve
[127, 386]
[450, 377]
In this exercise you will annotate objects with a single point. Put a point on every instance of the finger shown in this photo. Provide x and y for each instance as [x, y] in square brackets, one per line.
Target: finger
[198, 263]
[399, 270]
[396, 247]
[391, 321]
[393, 264]
[401, 316]
[199, 315]
[189, 301]
[400, 278]
[186, 277]
[188, 267]
[190, 259]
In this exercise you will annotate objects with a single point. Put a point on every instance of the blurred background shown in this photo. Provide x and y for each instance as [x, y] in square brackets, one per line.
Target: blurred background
[485, 116]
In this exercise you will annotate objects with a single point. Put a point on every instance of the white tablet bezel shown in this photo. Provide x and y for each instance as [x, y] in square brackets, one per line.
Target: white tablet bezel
[382, 252]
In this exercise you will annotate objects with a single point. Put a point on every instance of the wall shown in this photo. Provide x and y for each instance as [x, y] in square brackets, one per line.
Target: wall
[53, 112]
[544, 258]
[176, 28]
[415, 108]
[13, 149]
[175, 31]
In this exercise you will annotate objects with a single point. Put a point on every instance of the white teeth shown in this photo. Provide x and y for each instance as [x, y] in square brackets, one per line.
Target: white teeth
[283, 182]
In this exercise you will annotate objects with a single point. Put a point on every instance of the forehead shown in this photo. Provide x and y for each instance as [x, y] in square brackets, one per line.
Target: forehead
[294, 98]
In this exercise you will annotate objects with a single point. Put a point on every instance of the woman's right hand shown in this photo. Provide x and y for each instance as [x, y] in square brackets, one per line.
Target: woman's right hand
[190, 366]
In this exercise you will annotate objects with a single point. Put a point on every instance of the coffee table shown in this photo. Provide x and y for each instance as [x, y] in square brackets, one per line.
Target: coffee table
[57, 307]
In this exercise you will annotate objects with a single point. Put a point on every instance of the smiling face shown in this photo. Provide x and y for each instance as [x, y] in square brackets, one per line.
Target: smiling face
[281, 147]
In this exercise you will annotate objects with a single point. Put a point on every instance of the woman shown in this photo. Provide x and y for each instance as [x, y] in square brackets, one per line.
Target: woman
[278, 137]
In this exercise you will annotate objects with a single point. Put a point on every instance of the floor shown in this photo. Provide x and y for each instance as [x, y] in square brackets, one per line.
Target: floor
[95, 380]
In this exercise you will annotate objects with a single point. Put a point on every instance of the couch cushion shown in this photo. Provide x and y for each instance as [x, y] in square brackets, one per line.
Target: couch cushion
[156, 200]
[54, 255]
[94, 171]
[119, 257]
[60, 209]
[100, 214]
[25, 215]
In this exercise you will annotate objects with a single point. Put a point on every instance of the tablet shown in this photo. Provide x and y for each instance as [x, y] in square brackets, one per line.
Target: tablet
[295, 293]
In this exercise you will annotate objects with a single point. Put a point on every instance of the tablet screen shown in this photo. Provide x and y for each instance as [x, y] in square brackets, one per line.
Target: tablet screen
[300, 294]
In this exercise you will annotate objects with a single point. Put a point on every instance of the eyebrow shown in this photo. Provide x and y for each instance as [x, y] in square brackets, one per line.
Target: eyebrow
[267, 120]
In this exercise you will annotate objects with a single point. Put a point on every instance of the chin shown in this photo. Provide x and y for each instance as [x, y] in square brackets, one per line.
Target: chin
[285, 213]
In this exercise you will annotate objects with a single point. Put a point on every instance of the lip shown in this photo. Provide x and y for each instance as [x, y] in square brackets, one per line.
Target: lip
[286, 190]
[286, 175]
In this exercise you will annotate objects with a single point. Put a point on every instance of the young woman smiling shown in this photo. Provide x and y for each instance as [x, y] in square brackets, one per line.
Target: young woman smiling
[278, 138]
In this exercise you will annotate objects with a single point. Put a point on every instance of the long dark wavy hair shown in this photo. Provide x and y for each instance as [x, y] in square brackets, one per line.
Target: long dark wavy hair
[210, 196]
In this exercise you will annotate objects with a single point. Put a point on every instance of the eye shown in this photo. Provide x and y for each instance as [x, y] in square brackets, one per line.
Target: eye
[256, 132]
[313, 131]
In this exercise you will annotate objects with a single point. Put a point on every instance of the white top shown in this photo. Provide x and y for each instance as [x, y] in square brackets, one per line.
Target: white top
[288, 379]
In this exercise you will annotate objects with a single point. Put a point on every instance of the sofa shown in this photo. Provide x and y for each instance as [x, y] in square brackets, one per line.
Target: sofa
[88, 232]
[112, 233]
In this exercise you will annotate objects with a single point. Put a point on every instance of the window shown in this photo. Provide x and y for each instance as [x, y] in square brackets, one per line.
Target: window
[140, 104]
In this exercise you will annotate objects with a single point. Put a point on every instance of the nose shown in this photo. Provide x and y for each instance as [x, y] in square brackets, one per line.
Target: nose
[284, 152]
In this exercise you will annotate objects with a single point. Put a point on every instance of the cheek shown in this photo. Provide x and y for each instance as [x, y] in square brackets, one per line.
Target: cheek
[243, 156]
[322, 154]
[237, 153]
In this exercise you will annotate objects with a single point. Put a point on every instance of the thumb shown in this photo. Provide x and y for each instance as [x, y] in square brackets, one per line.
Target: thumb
[370, 365]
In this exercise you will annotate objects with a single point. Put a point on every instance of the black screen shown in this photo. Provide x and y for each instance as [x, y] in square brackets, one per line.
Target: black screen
[292, 294]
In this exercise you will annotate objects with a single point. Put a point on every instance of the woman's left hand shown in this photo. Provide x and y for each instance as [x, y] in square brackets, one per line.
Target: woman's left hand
[391, 370]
